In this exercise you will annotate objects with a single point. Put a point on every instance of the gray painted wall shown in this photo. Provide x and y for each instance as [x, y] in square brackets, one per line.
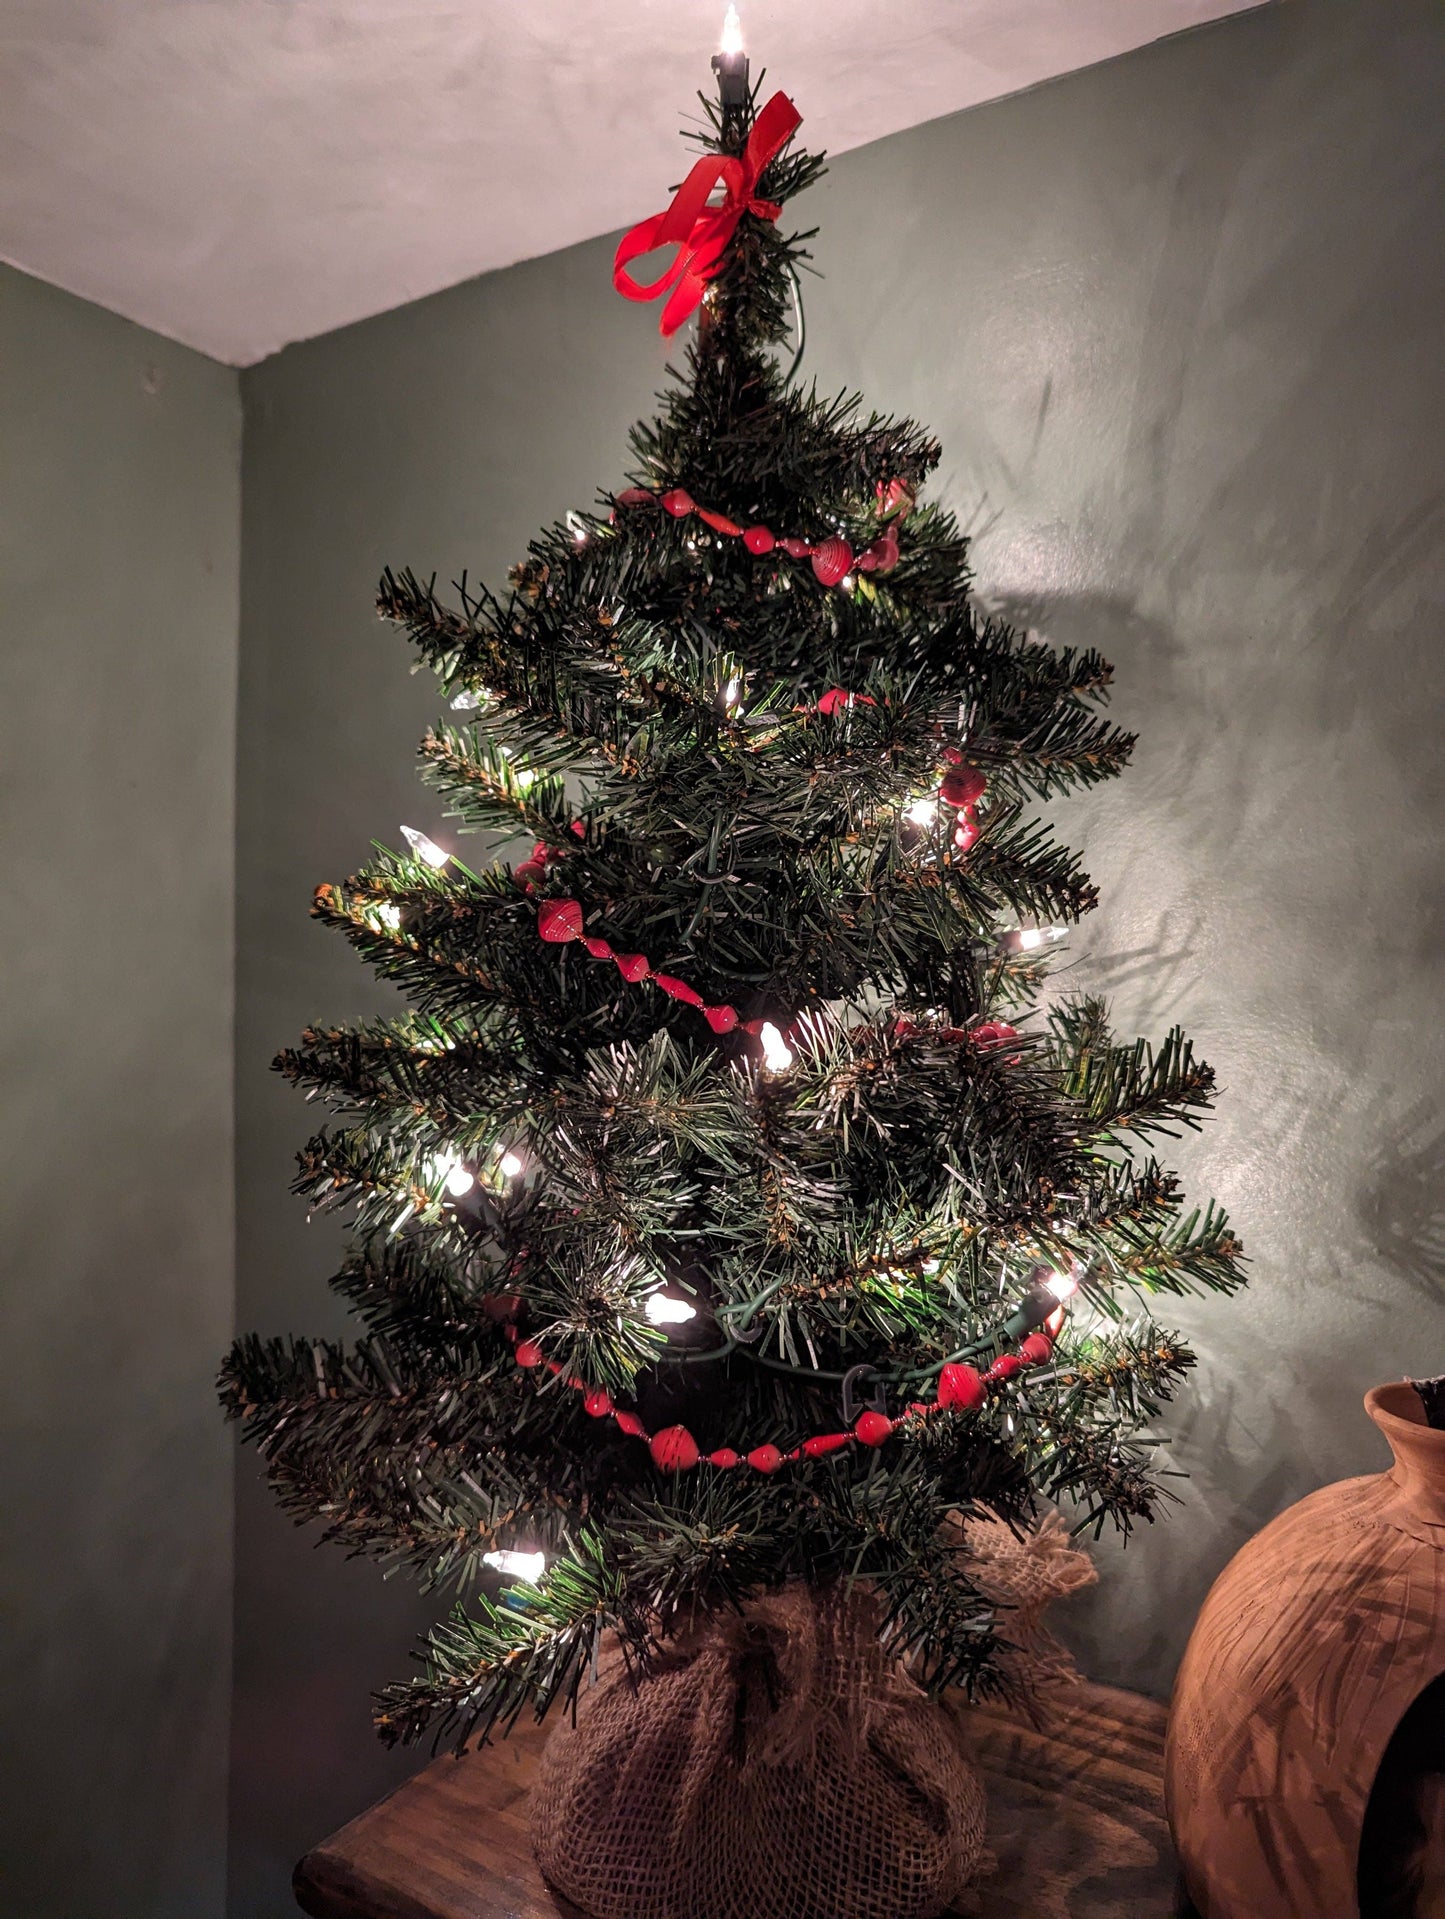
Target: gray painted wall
[119, 547]
[1175, 320]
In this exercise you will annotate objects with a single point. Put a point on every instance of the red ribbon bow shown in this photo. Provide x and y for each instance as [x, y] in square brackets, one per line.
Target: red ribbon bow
[699, 232]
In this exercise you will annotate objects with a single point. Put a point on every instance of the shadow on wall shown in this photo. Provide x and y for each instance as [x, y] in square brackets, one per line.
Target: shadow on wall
[1401, 1202]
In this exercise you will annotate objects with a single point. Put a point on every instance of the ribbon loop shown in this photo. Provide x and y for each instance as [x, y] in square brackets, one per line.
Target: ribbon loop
[701, 233]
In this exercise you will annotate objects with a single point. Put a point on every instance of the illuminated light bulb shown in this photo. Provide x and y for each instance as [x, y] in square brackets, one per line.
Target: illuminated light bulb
[389, 914]
[1031, 938]
[847, 583]
[777, 1054]
[425, 850]
[921, 812]
[733, 695]
[663, 1310]
[448, 1168]
[932, 1265]
[578, 528]
[528, 1566]
[732, 32]
[509, 1165]
[1064, 1285]
[468, 701]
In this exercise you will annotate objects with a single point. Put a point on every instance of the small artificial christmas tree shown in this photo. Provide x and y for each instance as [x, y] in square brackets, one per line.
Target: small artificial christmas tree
[717, 1202]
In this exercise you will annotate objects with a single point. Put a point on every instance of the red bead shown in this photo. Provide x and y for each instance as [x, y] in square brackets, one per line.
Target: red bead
[632, 966]
[962, 785]
[873, 1428]
[677, 989]
[836, 700]
[678, 503]
[822, 1443]
[599, 949]
[674, 1449]
[631, 1425]
[1006, 1366]
[554, 1366]
[757, 539]
[636, 496]
[796, 549]
[881, 556]
[598, 1403]
[952, 755]
[559, 920]
[831, 560]
[961, 1386]
[993, 1032]
[765, 1459]
[722, 1019]
[965, 834]
[527, 1353]
[1036, 1349]
[719, 522]
[724, 1457]
[528, 873]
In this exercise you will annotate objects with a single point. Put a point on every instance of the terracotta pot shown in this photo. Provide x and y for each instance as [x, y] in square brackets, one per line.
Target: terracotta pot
[1311, 1647]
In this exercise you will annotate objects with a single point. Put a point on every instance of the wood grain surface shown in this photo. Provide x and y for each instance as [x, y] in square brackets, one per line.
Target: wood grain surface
[1076, 1820]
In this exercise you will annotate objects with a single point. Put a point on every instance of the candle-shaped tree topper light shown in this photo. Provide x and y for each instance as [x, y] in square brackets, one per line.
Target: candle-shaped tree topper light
[730, 64]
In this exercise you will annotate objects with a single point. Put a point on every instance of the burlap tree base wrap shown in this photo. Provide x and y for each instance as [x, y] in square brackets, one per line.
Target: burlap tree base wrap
[781, 1765]
[774, 1766]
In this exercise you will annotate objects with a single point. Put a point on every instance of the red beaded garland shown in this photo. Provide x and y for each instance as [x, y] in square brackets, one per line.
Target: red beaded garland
[1036, 1349]
[527, 1353]
[822, 1443]
[831, 560]
[631, 1425]
[961, 1386]
[674, 1449]
[962, 785]
[598, 1403]
[873, 1428]
[1006, 1366]
[559, 920]
[765, 1459]
[724, 1457]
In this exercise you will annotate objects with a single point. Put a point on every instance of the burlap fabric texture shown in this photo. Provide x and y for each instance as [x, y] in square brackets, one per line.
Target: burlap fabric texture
[777, 1765]
[1022, 1573]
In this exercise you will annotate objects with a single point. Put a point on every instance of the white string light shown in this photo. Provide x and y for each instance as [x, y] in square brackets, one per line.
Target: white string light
[777, 1054]
[528, 1566]
[509, 1165]
[921, 812]
[425, 850]
[663, 1310]
[389, 913]
[448, 1168]
[469, 700]
[732, 32]
[1064, 1285]
[1031, 938]
[577, 527]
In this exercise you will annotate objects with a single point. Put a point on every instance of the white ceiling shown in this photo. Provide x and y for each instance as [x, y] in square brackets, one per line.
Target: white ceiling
[243, 173]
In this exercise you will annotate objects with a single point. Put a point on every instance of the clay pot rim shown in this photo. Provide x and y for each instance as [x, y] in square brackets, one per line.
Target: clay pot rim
[1398, 1412]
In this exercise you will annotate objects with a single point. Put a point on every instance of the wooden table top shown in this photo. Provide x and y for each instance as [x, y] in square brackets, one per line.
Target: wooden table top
[1075, 1817]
